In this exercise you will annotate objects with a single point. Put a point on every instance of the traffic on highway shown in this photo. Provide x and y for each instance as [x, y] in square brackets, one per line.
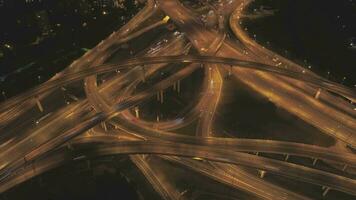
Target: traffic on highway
[164, 102]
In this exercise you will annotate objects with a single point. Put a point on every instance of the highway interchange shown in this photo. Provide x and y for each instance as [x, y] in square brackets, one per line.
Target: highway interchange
[105, 121]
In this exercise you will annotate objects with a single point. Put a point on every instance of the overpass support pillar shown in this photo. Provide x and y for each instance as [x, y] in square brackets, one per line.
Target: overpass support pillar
[314, 161]
[178, 86]
[174, 86]
[326, 191]
[88, 164]
[69, 146]
[317, 94]
[161, 96]
[262, 173]
[114, 125]
[286, 158]
[103, 124]
[39, 105]
[137, 112]
[344, 168]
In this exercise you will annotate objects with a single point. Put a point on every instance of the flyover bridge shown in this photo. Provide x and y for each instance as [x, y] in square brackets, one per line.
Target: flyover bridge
[71, 132]
[231, 62]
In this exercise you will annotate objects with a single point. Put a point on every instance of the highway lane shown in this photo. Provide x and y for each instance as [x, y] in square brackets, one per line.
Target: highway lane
[211, 101]
[82, 128]
[106, 99]
[157, 179]
[75, 129]
[205, 100]
[36, 168]
[99, 119]
[135, 75]
[131, 79]
[332, 107]
[219, 155]
[19, 104]
[239, 179]
[186, 117]
[221, 166]
[325, 97]
[37, 141]
[42, 134]
[96, 52]
[270, 57]
[101, 102]
[72, 77]
[14, 101]
[225, 172]
[249, 145]
[263, 146]
[206, 121]
[59, 157]
[339, 135]
[25, 107]
[96, 122]
[160, 136]
[278, 167]
[23, 128]
[279, 92]
[99, 134]
[244, 145]
[233, 175]
[90, 83]
[182, 119]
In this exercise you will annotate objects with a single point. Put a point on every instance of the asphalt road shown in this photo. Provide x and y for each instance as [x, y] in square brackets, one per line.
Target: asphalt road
[27, 151]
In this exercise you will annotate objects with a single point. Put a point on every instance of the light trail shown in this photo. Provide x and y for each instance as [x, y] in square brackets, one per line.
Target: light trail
[227, 155]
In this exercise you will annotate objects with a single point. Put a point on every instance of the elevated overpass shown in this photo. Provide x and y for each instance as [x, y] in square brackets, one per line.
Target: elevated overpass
[79, 75]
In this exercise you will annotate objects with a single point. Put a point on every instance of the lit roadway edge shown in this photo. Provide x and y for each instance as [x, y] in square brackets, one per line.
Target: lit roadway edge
[278, 90]
[209, 153]
[97, 119]
[71, 77]
[210, 148]
[104, 116]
